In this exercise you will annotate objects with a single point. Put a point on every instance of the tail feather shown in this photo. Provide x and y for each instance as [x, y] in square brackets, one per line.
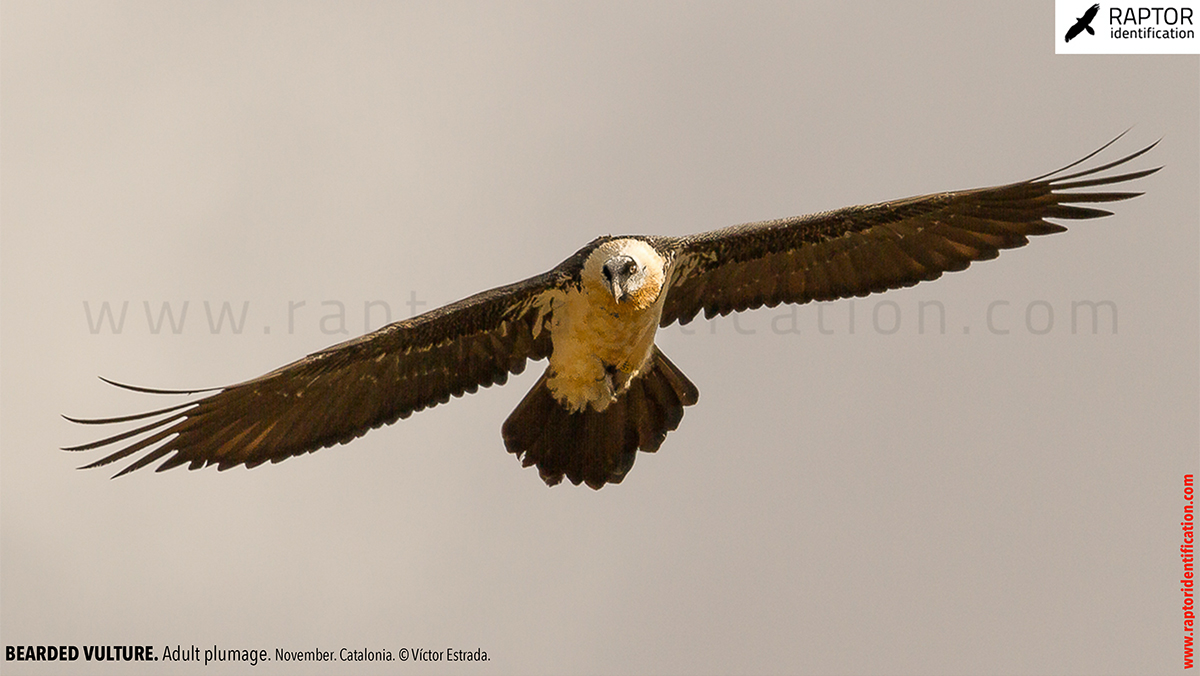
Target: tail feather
[599, 447]
[645, 422]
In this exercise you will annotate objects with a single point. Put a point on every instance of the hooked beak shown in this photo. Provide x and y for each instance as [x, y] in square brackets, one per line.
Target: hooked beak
[617, 272]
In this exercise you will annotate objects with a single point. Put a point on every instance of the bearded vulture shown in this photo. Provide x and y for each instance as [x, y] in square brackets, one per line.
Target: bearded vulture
[607, 391]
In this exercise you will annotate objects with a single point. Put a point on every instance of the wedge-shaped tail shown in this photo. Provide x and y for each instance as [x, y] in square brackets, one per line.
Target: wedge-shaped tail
[598, 447]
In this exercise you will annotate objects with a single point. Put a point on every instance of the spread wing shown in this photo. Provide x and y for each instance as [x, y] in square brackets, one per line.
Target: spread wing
[339, 393]
[861, 250]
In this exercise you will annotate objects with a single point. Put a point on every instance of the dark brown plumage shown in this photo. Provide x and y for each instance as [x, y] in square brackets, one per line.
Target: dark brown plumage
[339, 393]
[608, 440]
[861, 250]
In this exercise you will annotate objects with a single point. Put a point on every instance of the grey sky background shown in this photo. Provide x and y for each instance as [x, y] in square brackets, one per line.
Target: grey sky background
[962, 501]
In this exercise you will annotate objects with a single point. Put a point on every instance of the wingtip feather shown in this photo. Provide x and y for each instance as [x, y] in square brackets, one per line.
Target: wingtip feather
[153, 390]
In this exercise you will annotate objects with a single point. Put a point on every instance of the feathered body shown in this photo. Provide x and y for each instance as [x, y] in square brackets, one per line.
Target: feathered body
[607, 390]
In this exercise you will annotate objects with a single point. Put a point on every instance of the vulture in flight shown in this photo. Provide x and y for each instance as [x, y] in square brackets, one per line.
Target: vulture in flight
[607, 391]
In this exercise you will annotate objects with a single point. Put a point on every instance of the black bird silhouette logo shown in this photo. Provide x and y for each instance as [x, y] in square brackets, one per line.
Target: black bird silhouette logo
[1084, 23]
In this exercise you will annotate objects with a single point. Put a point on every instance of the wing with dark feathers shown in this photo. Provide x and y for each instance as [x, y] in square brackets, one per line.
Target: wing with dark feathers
[861, 250]
[338, 394]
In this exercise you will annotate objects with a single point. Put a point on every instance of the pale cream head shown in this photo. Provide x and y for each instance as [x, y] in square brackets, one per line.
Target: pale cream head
[630, 272]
